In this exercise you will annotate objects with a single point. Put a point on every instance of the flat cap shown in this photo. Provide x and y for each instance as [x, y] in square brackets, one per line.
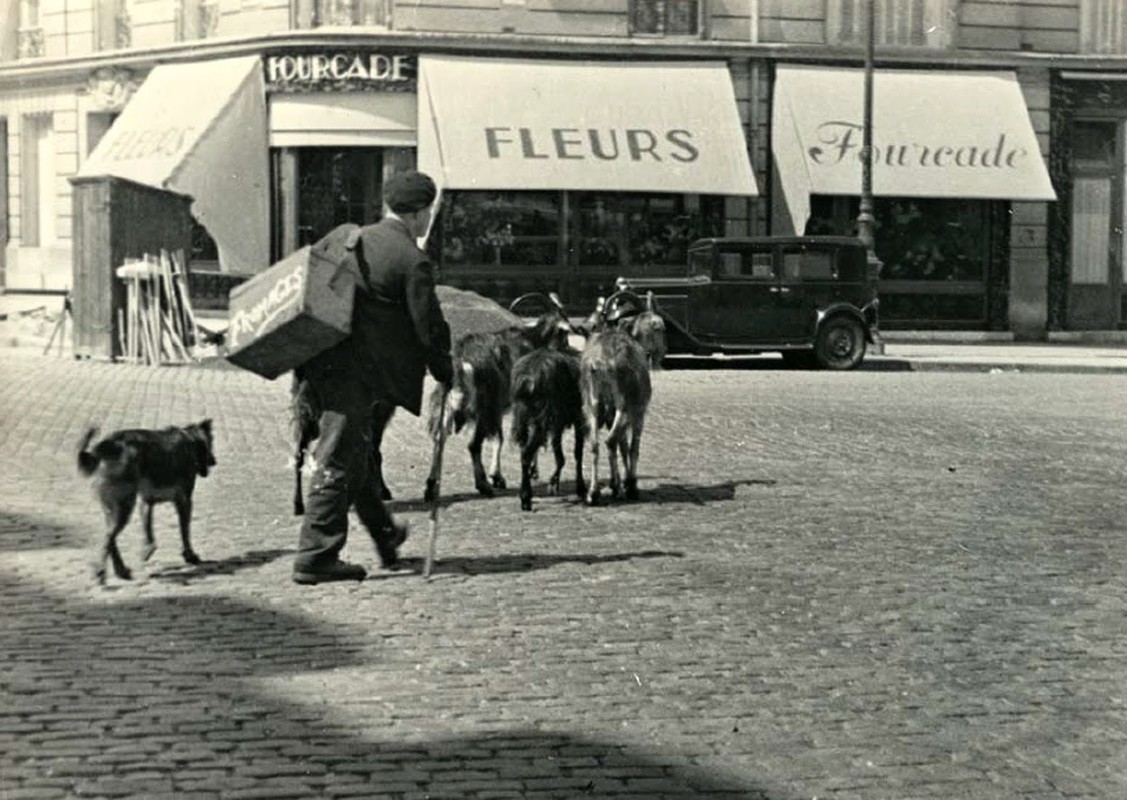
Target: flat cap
[407, 192]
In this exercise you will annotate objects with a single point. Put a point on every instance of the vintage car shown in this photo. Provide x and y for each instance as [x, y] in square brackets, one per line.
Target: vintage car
[811, 298]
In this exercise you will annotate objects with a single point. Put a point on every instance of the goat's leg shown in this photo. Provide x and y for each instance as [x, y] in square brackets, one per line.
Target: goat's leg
[593, 432]
[527, 460]
[430, 494]
[298, 495]
[580, 485]
[495, 462]
[632, 463]
[479, 479]
[614, 442]
[184, 515]
[557, 450]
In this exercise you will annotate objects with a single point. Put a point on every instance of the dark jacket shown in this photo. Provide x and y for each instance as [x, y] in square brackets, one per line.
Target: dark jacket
[398, 329]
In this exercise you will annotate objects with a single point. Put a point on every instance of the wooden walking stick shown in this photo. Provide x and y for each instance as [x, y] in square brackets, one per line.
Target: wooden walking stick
[436, 460]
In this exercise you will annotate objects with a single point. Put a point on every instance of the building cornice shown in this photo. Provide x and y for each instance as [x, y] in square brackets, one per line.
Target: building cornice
[30, 73]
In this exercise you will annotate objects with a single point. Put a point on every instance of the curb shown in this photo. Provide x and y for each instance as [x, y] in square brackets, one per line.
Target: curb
[894, 364]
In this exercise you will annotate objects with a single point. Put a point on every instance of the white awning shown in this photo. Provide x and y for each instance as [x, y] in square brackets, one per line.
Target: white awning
[608, 126]
[935, 134]
[200, 129]
[343, 119]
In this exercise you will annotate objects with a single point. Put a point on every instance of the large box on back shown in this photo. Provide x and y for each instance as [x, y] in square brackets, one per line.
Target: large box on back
[281, 318]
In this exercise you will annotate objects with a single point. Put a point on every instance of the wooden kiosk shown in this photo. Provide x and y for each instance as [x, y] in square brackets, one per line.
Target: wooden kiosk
[117, 219]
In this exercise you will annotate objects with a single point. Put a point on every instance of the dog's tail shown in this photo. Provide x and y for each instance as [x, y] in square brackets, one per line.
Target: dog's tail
[87, 461]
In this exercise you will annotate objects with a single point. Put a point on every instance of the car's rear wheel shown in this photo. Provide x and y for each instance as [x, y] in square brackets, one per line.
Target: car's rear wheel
[840, 344]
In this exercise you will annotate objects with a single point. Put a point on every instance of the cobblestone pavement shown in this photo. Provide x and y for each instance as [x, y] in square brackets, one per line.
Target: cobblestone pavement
[866, 585]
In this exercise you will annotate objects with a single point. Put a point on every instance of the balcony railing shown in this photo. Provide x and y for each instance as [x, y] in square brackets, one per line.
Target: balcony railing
[342, 13]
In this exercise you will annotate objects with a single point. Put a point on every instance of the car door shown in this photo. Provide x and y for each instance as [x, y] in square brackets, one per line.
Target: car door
[736, 305]
[806, 283]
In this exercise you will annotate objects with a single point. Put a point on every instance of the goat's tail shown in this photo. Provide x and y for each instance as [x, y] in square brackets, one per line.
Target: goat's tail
[87, 461]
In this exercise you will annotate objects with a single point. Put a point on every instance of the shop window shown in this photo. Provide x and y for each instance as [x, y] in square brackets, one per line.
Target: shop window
[113, 27]
[665, 17]
[904, 23]
[1103, 27]
[641, 230]
[205, 253]
[916, 238]
[649, 234]
[326, 13]
[941, 264]
[197, 19]
[1093, 144]
[501, 228]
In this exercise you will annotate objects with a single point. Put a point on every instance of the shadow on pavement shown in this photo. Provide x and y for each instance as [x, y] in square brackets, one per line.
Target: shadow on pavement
[446, 500]
[25, 532]
[188, 573]
[164, 696]
[697, 494]
[526, 562]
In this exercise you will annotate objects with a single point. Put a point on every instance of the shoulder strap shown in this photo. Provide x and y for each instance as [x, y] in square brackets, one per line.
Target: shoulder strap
[356, 245]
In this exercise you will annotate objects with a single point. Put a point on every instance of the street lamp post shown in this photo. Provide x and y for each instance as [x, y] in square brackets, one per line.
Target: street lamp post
[865, 216]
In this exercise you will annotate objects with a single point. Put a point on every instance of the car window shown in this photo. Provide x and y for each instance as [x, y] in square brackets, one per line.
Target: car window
[808, 265]
[759, 265]
[746, 264]
[731, 265]
[700, 263]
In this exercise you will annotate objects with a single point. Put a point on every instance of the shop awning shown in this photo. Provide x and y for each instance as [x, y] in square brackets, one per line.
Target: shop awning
[935, 134]
[607, 126]
[200, 129]
[343, 119]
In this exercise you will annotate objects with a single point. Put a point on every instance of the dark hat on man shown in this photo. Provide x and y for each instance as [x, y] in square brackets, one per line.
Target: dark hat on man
[407, 192]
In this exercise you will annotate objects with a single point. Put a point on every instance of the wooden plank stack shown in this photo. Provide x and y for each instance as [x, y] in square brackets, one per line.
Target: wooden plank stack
[157, 325]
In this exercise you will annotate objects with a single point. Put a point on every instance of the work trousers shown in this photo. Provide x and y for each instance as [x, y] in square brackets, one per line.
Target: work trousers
[344, 463]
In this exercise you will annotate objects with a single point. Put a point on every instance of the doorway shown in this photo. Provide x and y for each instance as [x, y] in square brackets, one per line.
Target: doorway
[335, 186]
[1095, 298]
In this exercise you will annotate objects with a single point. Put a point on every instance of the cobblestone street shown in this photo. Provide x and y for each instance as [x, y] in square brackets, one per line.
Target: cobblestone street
[875, 584]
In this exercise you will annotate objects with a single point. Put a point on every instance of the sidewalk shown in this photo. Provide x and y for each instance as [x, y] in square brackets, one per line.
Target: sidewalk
[27, 321]
[1007, 356]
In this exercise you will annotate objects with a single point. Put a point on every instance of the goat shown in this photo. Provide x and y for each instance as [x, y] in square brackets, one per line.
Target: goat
[481, 389]
[624, 310]
[546, 401]
[305, 412]
[614, 379]
[648, 330]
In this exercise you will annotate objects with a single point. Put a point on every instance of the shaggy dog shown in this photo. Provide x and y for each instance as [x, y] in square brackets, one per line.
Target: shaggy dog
[157, 466]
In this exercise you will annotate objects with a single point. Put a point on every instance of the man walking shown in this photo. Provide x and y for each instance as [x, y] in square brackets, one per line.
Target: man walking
[398, 333]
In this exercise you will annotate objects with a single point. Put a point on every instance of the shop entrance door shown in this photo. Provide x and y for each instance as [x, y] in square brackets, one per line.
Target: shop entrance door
[335, 186]
[1096, 263]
